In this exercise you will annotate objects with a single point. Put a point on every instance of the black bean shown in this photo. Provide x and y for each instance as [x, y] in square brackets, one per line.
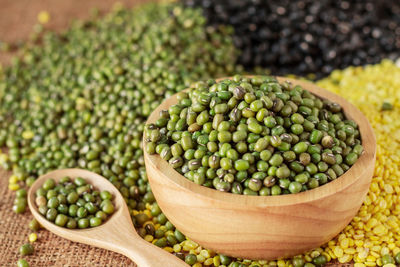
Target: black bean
[306, 36]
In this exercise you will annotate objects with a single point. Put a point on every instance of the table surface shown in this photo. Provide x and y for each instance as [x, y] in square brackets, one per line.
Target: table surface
[17, 20]
[16, 23]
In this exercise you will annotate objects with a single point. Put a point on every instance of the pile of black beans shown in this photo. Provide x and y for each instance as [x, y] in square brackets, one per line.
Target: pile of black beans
[306, 36]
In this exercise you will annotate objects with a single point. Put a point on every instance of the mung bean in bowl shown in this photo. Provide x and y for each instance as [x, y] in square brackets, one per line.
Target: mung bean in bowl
[283, 200]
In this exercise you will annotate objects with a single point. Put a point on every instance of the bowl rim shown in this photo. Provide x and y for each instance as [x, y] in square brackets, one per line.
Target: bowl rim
[358, 171]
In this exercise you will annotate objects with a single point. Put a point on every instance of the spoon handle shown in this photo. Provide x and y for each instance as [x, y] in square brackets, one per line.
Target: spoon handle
[145, 254]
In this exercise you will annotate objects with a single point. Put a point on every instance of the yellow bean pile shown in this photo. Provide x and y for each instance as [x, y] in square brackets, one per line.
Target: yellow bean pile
[375, 231]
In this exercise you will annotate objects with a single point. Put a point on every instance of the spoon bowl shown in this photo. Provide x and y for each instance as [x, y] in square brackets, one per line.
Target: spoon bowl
[117, 233]
[264, 227]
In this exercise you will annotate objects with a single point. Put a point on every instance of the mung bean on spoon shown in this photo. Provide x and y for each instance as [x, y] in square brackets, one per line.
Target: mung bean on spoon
[116, 234]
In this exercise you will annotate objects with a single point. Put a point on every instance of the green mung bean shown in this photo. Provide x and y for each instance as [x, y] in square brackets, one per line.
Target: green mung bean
[60, 208]
[272, 138]
[26, 249]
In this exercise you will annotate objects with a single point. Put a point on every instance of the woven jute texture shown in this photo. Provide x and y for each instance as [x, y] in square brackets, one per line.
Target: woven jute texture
[50, 250]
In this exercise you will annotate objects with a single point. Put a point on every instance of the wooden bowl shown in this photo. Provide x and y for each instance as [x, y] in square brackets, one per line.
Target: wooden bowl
[264, 227]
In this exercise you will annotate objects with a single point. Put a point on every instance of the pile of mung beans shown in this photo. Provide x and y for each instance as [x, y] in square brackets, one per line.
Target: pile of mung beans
[111, 72]
[73, 203]
[255, 136]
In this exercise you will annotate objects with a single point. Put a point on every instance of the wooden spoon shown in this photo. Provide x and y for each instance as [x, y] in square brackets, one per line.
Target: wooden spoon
[116, 234]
